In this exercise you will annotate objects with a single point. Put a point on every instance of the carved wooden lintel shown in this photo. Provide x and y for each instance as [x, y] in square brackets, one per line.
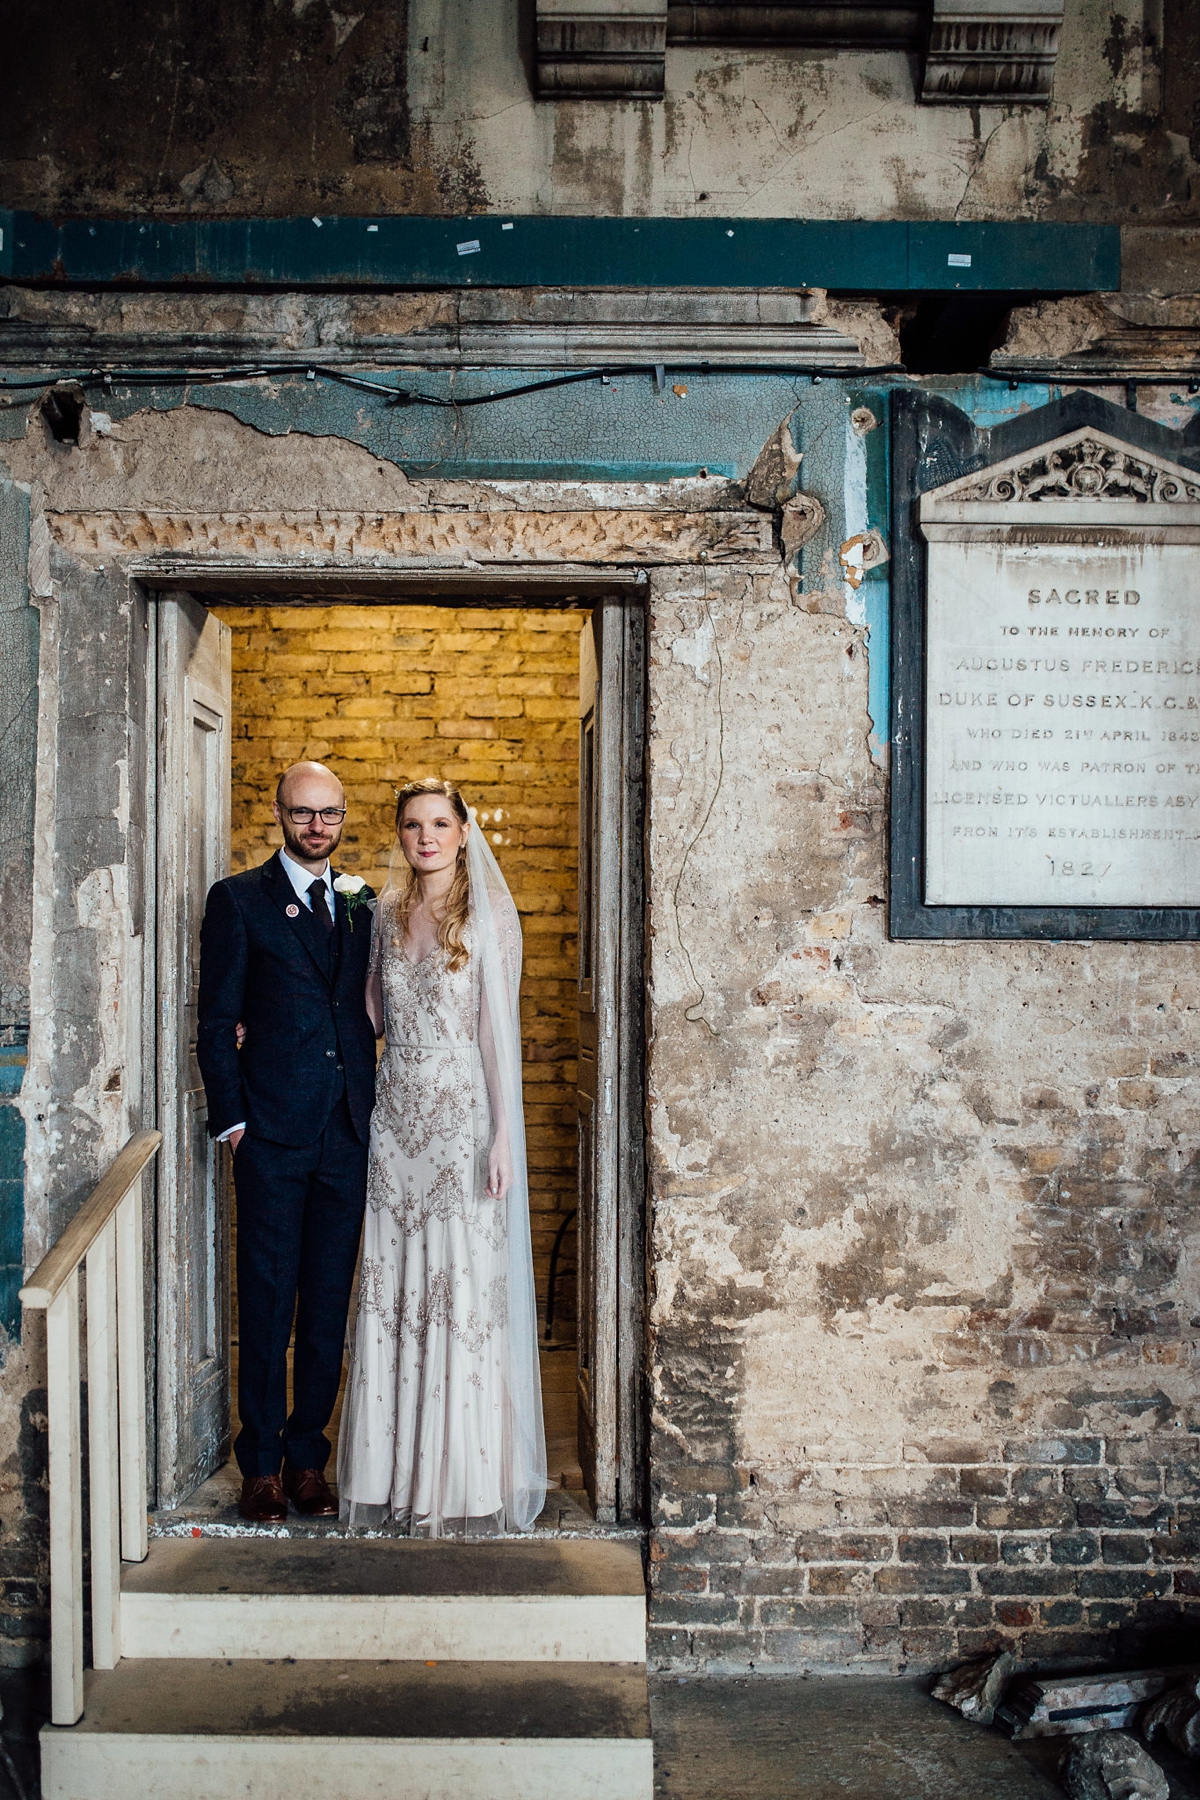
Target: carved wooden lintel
[431, 539]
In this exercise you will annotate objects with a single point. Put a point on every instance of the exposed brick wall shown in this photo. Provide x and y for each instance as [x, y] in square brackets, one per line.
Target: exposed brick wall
[486, 698]
[1075, 1547]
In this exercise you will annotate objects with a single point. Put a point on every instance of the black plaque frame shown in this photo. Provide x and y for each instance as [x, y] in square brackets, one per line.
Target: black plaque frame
[933, 443]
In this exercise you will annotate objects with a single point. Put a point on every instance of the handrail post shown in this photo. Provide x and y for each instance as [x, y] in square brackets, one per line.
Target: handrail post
[102, 1448]
[66, 1504]
[131, 1377]
[105, 1237]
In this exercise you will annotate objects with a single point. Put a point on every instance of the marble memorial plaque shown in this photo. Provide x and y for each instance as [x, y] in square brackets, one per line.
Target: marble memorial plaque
[1062, 684]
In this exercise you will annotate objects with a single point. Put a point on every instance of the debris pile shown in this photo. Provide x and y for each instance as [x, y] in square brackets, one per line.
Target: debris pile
[975, 1687]
[1049, 1706]
[1176, 1714]
[1111, 1765]
[1098, 1709]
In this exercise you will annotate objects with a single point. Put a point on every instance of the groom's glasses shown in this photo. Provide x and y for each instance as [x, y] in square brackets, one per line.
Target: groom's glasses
[304, 815]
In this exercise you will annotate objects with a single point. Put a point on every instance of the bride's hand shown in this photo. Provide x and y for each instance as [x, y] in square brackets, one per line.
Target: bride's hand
[499, 1167]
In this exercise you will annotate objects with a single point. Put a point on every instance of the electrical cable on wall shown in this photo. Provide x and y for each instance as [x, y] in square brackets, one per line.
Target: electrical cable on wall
[109, 378]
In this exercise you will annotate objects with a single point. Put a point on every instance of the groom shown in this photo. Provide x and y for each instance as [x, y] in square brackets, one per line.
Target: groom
[283, 953]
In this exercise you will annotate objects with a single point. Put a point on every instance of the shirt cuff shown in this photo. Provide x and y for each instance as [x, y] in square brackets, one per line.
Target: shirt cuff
[226, 1135]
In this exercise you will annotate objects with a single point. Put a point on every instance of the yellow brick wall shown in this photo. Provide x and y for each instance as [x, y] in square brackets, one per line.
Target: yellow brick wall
[486, 698]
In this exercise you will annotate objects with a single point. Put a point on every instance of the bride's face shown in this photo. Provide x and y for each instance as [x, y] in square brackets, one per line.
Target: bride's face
[430, 834]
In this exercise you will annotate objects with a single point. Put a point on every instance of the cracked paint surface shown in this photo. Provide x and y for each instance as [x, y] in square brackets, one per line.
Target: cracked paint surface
[427, 108]
[922, 1215]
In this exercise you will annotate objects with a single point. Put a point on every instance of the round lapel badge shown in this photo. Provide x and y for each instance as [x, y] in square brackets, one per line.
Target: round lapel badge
[293, 912]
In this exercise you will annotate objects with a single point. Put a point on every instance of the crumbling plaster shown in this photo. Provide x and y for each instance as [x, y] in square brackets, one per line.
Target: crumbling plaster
[83, 1089]
[429, 109]
[924, 1215]
[18, 737]
[716, 421]
[923, 1222]
[1063, 328]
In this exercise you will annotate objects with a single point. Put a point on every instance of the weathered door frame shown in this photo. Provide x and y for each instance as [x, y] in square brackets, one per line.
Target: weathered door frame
[611, 1049]
[190, 685]
[621, 593]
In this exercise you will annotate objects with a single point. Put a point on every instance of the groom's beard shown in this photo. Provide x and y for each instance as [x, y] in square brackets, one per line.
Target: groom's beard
[310, 843]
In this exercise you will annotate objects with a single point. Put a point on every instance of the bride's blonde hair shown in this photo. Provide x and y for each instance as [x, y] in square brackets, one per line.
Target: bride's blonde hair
[451, 930]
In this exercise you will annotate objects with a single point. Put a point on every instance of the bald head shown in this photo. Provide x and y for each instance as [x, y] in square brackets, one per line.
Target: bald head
[301, 774]
[309, 789]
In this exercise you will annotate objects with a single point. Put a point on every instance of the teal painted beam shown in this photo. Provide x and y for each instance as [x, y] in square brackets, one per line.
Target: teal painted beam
[403, 252]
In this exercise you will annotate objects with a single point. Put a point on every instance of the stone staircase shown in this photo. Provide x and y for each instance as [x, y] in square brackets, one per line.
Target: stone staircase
[330, 1668]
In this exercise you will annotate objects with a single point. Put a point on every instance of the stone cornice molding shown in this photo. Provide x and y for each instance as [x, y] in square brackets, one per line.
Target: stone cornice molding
[487, 328]
[991, 51]
[600, 49]
[976, 51]
[1133, 353]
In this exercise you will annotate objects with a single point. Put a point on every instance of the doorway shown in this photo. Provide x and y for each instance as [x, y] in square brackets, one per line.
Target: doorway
[535, 711]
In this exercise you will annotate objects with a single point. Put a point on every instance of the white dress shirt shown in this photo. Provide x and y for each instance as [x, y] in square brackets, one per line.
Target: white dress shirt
[301, 880]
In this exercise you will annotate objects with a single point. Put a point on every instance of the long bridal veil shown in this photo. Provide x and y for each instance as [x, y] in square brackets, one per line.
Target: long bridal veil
[442, 1426]
[496, 940]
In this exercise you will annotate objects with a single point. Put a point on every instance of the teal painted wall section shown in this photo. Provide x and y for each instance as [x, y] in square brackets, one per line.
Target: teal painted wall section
[562, 251]
[620, 429]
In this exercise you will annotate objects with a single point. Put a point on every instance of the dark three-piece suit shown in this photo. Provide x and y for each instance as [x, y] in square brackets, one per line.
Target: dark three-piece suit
[304, 1083]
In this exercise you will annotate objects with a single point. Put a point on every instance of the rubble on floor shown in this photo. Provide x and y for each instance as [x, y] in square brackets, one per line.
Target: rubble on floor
[975, 1688]
[1111, 1765]
[1176, 1715]
[1061, 1706]
[1105, 1762]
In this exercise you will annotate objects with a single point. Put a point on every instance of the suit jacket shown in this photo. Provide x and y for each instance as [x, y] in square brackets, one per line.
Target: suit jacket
[299, 991]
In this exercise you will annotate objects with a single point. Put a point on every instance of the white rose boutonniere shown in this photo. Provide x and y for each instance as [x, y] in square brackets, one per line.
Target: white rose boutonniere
[354, 890]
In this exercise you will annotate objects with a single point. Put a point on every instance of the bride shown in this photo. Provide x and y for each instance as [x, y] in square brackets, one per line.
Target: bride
[442, 1428]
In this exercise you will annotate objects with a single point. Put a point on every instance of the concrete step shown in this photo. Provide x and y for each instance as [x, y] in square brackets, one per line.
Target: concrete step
[543, 1600]
[352, 1730]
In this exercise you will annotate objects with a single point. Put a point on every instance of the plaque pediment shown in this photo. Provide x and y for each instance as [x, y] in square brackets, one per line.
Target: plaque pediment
[1046, 673]
[1082, 468]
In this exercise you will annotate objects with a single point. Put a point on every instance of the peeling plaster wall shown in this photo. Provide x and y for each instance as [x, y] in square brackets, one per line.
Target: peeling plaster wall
[22, 1510]
[278, 109]
[924, 1220]
[18, 748]
[922, 1215]
[82, 1090]
[18, 738]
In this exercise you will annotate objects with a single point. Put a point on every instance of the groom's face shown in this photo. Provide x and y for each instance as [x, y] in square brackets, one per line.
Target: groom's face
[316, 840]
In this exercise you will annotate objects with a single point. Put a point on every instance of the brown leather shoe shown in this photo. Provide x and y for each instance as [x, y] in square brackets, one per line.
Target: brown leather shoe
[263, 1501]
[310, 1493]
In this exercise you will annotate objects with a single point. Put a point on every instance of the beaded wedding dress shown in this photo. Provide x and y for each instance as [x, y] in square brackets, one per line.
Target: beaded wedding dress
[442, 1424]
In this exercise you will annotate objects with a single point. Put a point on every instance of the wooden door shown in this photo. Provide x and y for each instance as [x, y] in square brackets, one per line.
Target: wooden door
[192, 1225]
[610, 1227]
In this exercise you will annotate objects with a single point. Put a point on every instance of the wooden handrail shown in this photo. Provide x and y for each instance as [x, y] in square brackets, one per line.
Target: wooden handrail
[102, 1247]
[59, 1264]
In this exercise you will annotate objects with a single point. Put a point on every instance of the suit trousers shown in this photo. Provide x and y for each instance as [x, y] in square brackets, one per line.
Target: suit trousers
[299, 1216]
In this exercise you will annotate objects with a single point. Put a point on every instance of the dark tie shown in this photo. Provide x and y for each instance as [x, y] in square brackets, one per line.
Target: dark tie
[320, 905]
